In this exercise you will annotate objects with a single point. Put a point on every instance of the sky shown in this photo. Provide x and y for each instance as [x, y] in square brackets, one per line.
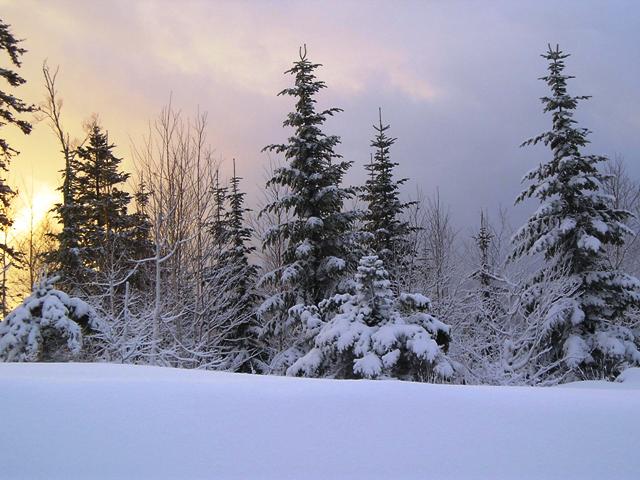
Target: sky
[457, 81]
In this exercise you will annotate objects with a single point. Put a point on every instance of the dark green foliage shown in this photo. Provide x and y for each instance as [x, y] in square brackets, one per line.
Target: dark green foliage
[10, 108]
[140, 224]
[66, 258]
[319, 234]
[234, 261]
[104, 204]
[489, 282]
[238, 237]
[383, 219]
[98, 232]
[218, 225]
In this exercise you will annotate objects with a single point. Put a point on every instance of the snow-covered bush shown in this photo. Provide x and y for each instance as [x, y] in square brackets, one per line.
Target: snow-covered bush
[373, 333]
[47, 326]
[545, 340]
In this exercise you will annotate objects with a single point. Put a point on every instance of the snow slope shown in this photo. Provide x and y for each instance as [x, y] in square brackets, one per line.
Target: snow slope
[94, 421]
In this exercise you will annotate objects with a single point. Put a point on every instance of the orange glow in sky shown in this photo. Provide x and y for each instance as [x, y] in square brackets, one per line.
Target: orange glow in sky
[457, 81]
[32, 210]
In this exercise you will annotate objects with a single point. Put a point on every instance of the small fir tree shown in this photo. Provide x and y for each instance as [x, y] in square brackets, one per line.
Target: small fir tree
[235, 260]
[139, 243]
[383, 220]
[490, 283]
[140, 223]
[47, 326]
[484, 308]
[218, 225]
[374, 333]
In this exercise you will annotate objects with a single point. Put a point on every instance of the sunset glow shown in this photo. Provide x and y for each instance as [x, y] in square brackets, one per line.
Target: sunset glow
[33, 209]
[330, 239]
[436, 68]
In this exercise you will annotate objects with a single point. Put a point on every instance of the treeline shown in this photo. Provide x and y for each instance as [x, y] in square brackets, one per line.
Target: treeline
[323, 279]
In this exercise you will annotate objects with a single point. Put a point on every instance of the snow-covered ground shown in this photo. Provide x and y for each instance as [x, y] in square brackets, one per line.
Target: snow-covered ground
[91, 421]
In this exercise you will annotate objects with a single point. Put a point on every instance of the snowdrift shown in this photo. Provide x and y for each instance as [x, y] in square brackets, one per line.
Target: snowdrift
[98, 421]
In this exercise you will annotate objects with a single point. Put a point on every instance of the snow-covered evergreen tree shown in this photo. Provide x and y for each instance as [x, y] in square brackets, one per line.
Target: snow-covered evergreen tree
[230, 269]
[481, 318]
[490, 283]
[571, 228]
[47, 326]
[318, 233]
[135, 244]
[105, 220]
[10, 107]
[104, 239]
[234, 259]
[66, 259]
[218, 224]
[139, 224]
[384, 218]
[483, 240]
[374, 333]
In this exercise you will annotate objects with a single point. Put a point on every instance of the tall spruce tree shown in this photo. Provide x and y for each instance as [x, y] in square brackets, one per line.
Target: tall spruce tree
[107, 231]
[98, 175]
[571, 228]
[10, 108]
[318, 234]
[66, 259]
[383, 219]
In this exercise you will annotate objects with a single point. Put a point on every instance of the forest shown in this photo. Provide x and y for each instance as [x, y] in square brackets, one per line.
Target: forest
[321, 278]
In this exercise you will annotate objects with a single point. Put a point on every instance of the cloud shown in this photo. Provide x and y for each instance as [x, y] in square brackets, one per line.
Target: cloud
[247, 49]
[457, 79]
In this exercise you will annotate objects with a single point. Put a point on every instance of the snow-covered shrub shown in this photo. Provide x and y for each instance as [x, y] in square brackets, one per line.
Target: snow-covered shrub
[547, 341]
[47, 326]
[373, 333]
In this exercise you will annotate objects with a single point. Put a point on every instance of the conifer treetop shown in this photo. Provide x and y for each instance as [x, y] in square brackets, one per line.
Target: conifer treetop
[383, 219]
[575, 216]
